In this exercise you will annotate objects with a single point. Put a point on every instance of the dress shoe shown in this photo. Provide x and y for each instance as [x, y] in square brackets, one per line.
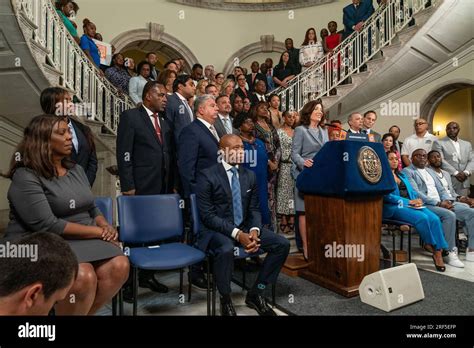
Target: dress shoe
[152, 284]
[227, 309]
[259, 303]
[200, 283]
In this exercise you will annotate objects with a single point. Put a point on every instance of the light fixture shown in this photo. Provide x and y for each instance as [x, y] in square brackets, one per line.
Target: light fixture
[438, 130]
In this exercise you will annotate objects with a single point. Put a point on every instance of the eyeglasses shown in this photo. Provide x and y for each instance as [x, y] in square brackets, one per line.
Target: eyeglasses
[421, 155]
[420, 123]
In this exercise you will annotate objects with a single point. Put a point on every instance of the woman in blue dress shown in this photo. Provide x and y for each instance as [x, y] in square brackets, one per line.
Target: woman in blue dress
[255, 159]
[404, 205]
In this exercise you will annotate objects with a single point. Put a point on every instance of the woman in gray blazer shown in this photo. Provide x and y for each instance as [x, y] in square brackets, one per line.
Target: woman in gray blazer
[309, 138]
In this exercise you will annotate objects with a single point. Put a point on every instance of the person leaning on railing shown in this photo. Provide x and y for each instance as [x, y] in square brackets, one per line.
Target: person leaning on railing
[64, 8]
[88, 45]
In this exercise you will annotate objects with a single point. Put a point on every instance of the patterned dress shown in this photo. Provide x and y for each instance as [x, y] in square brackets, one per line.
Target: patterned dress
[286, 184]
[272, 144]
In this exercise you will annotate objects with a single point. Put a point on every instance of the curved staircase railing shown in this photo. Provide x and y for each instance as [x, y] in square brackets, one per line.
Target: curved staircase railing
[350, 55]
[101, 101]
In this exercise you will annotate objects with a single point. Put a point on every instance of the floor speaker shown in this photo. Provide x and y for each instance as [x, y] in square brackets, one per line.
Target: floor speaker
[392, 288]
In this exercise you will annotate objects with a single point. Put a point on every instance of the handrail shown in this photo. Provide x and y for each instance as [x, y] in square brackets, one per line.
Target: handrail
[350, 55]
[101, 100]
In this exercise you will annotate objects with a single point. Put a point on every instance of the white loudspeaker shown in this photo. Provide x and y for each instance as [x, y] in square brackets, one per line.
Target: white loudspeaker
[392, 288]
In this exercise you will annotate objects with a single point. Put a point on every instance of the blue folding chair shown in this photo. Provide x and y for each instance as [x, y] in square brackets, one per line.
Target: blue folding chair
[150, 220]
[105, 205]
[238, 255]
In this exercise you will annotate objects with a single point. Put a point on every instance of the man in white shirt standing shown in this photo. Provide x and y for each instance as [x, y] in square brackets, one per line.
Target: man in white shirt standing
[435, 198]
[458, 158]
[420, 140]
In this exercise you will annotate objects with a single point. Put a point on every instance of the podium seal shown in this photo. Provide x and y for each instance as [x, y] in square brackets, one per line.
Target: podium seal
[369, 165]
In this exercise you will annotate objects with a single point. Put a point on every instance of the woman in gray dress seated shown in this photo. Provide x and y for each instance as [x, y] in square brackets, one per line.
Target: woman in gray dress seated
[50, 193]
[308, 139]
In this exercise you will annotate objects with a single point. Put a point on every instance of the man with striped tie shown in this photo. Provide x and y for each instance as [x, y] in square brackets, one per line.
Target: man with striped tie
[230, 218]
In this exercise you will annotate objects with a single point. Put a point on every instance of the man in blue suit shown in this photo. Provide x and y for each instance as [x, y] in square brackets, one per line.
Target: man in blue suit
[178, 111]
[230, 217]
[354, 18]
[431, 191]
[198, 143]
[355, 15]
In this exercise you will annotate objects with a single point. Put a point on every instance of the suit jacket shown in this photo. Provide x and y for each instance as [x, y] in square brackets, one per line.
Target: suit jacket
[254, 99]
[259, 76]
[177, 114]
[351, 16]
[392, 200]
[451, 162]
[241, 93]
[85, 156]
[197, 150]
[419, 184]
[144, 163]
[377, 136]
[306, 144]
[216, 212]
[219, 125]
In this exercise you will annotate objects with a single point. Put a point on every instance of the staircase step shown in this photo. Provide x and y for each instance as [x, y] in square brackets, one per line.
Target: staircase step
[391, 50]
[407, 33]
[358, 78]
[423, 16]
[95, 126]
[375, 64]
[343, 90]
[330, 100]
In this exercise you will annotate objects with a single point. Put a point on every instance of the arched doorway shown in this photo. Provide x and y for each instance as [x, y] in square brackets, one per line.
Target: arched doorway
[267, 44]
[138, 42]
[435, 97]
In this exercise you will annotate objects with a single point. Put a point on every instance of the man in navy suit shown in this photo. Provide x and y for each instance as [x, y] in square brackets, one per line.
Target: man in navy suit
[145, 160]
[198, 143]
[230, 217]
[355, 15]
[354, 18]
[178, 111]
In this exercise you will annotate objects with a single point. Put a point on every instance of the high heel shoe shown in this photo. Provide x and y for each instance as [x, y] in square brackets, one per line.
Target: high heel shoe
[438, 268]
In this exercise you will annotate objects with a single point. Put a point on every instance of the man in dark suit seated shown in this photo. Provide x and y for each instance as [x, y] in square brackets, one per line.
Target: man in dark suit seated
[145, 158]
[230, 217]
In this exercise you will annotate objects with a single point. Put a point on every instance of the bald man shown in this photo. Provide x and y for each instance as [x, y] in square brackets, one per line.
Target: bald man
[231, 223]
[458, 158]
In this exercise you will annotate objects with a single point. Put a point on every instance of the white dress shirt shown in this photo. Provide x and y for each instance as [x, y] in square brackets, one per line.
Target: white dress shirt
[209, 126]
[457, 155]
[152, 118]
[227, 168]
[183, 99]
[430, 184]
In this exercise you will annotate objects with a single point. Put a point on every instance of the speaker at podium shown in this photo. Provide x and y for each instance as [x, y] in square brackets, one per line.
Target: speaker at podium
[392, 288]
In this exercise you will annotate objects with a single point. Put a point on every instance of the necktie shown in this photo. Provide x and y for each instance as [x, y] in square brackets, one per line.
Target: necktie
[157, 128]
[74, 137]
[227, 126]
[213, 131]
[236, 197]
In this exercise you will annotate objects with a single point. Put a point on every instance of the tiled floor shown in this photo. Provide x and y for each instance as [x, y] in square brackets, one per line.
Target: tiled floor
[173, 304]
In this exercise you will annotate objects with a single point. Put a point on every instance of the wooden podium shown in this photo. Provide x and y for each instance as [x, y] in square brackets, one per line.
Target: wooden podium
[343, 203]
[337, 230]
